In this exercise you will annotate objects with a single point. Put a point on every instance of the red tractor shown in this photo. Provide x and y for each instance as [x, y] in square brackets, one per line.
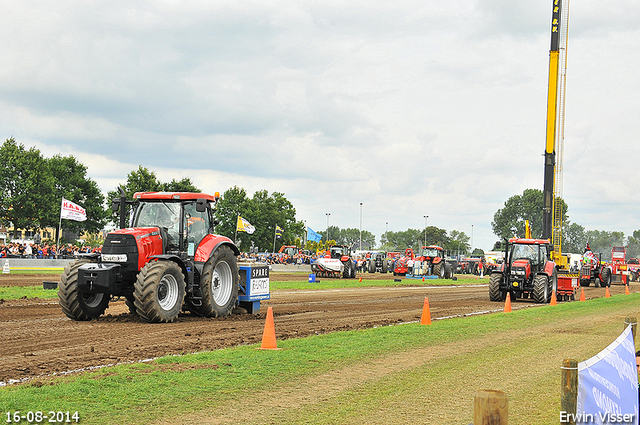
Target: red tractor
[591, 269]
[617, 270]
[527, 272]
[431, 262]
[167, 261]
[337, 262]
[404, 264]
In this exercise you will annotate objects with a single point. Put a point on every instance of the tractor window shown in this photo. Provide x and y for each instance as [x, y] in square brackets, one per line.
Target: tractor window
[196, 224]
[165, 215]
[525, 252]
[430, 252]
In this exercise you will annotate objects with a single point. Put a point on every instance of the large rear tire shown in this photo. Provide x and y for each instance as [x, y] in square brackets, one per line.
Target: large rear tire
[159, 291]
[448, 271]
[372, 265]
[541, 293]
[219, 284]
[606, 277]
[494, 287]
[438, 270]
[75, 304]
[346, 273]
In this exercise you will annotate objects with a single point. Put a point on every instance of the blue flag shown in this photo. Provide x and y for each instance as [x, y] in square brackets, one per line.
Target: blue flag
[313, 236]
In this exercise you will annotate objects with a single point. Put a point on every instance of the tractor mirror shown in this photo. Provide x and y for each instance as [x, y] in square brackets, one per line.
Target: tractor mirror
[115, 205]
[201, 205]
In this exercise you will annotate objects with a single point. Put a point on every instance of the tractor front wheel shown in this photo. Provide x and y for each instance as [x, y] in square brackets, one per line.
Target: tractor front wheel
[494, 287]
[219, 284]
[438, 270]
[541, 292]
[159, 291]
[75, 304]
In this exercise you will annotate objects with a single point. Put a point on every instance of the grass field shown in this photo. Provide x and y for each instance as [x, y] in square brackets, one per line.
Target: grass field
[392, 375]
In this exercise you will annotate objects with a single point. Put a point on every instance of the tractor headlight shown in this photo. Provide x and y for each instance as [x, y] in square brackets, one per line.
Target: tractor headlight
[114, 258]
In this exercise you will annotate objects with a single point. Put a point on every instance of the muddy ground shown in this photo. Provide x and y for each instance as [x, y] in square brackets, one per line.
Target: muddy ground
[39, 340]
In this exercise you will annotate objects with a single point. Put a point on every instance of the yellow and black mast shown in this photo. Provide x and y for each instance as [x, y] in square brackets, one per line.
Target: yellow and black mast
[552, 192]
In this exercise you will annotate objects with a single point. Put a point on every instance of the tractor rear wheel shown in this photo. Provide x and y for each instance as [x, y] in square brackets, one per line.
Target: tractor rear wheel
[219, 284]
[438, 270]
[606, 277]
[448, 271]
[372, 265]
[494, 287]
[541, 293]
[385, 267]
[159, 291]
[347, 270]
[75, 304]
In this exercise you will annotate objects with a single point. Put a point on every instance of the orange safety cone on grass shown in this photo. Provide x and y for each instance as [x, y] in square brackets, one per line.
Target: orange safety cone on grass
[607, 294]
[554, 298]
[626, 290]
[582, 298]
[269, 333]
[507, 303]
[426, 313]
[360, 279]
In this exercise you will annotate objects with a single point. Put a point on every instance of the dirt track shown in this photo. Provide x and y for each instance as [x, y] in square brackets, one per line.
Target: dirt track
[38, 339]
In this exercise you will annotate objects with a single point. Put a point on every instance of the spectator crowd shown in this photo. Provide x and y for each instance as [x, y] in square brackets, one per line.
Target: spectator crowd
[33, 250]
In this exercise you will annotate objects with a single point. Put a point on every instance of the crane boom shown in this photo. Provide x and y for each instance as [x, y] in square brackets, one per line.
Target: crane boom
[552, 192]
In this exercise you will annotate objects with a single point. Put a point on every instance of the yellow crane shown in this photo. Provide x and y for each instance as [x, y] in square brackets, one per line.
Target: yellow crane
[553, 157]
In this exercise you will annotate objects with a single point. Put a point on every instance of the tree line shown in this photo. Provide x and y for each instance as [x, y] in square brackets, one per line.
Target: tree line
[509, 222]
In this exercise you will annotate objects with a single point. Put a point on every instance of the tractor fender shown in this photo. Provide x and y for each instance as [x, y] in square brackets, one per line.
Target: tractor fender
[170, 257]
[549, 268]
[210, 244]
[436, 260]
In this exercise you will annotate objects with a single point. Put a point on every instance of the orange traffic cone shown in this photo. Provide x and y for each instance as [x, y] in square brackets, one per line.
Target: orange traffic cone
[626, 290]
[269, 333]
[582, 298]
[426, 313]
[554, 299]
[507, 303]
[423, 278]
[607, 294]
[360, 279]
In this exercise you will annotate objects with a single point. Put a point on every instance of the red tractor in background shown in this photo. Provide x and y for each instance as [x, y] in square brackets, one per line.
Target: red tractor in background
[169, 260]
[337, 262]
[431, 262]
[404, 264]
[617, 270]
[591, 269]
[528, 272]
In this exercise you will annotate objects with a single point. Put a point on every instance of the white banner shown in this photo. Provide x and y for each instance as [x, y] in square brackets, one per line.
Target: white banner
[71, 211]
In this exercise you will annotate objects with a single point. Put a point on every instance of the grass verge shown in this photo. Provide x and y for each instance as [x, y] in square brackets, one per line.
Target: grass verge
[392, 375]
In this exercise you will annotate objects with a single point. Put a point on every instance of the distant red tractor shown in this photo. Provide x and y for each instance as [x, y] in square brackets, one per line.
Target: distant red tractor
[617, 270]
[431, 262]
[528, 272]
[168, 261]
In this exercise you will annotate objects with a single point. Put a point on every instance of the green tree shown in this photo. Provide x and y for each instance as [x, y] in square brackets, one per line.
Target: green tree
[72, 183]
[601, 241]
[145, 180]
[27, 198]
[509, 221]
[232, 203]
[458, 243]
[184, 185]
[574, 238]
[633, 245]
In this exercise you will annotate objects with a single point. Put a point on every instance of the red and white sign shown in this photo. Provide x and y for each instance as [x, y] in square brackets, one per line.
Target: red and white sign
[71, 211]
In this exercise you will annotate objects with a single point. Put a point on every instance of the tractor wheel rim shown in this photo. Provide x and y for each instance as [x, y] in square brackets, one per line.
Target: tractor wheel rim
[92, 300]
[221, 283]
[167, 292]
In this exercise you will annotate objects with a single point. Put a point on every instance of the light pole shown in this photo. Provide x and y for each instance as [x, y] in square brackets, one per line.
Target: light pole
[425, 229]
[386, 231]
[472, 238]
[328, 214]
[360, 226]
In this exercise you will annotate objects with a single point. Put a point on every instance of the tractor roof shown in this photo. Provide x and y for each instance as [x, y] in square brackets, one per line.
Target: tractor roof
[175, 196]
[524, 241]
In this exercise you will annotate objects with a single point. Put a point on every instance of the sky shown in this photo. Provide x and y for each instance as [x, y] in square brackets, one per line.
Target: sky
[364, 114]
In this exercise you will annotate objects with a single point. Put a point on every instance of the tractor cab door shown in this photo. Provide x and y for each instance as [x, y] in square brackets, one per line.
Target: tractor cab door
[197, 224]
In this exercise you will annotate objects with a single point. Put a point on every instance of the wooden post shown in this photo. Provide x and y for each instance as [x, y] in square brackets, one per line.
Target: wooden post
[490, 407]
[569, 397]
[634, 324]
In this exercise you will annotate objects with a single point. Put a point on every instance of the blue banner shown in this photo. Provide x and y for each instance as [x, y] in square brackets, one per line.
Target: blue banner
[313, 236]
[608, 385]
